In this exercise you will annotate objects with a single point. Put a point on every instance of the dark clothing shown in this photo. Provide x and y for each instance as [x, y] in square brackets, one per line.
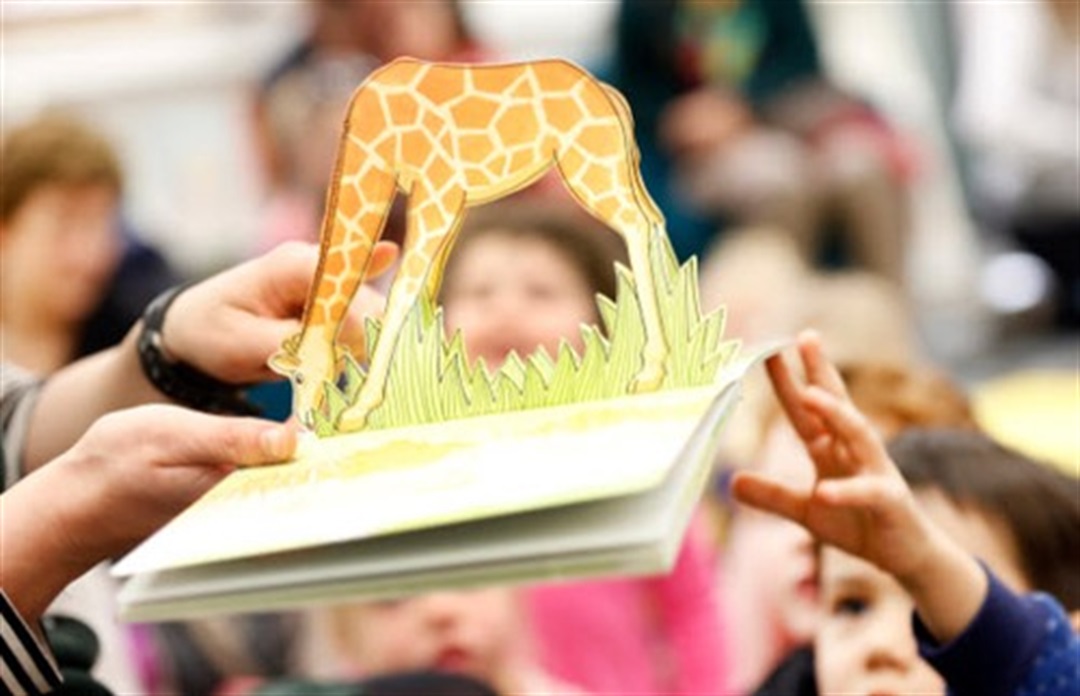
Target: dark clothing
[793, 677]
[142, 275]
[758, 50]
[1017, 644]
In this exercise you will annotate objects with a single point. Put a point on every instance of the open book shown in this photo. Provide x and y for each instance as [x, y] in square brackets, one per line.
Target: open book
[562, 496]
[430, 471]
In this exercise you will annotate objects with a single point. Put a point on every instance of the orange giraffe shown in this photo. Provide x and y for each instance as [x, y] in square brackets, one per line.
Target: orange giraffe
[452, 136]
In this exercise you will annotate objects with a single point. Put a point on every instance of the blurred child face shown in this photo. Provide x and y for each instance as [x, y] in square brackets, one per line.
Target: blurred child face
[512, 294]
[60, 249]
[781, 552]
[474, 633]
[865, 644]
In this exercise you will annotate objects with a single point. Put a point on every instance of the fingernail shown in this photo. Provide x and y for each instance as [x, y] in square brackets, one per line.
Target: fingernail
[277, 443]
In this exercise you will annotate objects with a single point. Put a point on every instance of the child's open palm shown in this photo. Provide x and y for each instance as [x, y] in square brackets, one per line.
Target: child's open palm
[859, 502]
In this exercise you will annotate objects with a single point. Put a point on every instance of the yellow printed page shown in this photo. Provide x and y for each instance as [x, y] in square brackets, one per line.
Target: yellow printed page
[370, 484]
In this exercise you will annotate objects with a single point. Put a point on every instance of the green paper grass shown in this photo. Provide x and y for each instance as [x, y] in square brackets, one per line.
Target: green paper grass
[431, 379]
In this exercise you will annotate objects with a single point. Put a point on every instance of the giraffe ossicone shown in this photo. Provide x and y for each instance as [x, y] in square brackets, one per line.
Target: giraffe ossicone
[452, 136]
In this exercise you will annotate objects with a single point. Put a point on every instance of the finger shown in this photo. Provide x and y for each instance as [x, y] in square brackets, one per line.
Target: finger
[383, 256]
[245, 359]
[790, 396]
[862, 442]
[766, 494]
[819, 370]
[283, 276]
[368, 302]
[353, 337]
[865, 492]
[187, 438]
[823, 452]
[353, 332]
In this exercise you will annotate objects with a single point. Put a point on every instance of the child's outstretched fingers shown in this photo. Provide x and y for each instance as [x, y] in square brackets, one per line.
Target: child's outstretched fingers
[819, 370]
[873, 494]
[766, 494]
[789, 394]
[860, 447]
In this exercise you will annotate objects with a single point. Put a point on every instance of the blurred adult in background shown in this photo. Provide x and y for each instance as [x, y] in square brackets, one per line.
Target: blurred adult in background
[74, 278]
[738, 124]
[300, 105]
[1016, 109]
[60, 238]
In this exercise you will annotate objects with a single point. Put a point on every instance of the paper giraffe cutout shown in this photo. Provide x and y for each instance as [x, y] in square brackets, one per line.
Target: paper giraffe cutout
[452, 136]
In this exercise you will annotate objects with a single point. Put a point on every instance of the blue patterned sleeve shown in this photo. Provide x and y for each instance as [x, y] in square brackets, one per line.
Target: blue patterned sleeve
[1020, 645]
[1056, 669]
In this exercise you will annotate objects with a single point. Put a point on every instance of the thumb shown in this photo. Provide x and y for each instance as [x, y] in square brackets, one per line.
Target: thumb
[761, 492]
[383, 256]
[204, 440]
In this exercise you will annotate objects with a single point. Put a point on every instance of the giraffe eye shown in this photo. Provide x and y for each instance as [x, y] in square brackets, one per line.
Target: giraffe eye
[298, 378]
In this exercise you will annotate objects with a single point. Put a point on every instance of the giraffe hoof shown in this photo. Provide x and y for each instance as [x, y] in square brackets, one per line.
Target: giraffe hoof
[352, 421]
[648, 380]
[356, 417]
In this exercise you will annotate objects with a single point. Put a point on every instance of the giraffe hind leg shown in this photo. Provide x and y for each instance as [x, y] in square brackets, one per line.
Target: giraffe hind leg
[635, 218]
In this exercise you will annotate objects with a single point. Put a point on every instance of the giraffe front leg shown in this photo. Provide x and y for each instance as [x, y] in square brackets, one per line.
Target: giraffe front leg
[402, 298]
[353, 223]
[431, 222]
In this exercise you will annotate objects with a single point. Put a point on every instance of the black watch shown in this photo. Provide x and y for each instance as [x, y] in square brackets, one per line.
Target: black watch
[177, 380]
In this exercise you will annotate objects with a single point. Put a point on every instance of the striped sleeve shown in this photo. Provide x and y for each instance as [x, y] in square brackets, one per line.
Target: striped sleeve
[18, 392]
[26, 665]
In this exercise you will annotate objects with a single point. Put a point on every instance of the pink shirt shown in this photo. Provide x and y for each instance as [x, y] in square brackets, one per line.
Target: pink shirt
[657, 635]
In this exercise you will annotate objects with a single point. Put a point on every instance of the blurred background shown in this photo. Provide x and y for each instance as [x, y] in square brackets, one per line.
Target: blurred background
[981, 128]
[903, 176]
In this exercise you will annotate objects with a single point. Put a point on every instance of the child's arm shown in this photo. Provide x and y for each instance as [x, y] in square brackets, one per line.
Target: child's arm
[859, 502]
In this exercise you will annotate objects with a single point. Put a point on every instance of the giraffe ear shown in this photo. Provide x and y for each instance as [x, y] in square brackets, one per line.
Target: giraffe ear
[284, 363]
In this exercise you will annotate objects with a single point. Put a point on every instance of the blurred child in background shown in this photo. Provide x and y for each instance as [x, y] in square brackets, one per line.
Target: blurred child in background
[482, 634]
[888, 551]
[524, 278]
[770, 583]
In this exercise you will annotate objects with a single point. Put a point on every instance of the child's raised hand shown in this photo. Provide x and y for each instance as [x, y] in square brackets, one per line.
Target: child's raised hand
[859, 502]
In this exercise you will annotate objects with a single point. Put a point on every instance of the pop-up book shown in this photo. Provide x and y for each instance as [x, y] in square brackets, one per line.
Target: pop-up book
[424, 470]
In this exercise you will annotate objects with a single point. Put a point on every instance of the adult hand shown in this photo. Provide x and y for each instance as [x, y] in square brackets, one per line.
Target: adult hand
[130, 473]
[228, 326]
[703, 121]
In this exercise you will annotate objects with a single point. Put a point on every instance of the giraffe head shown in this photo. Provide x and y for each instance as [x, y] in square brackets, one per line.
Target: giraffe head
[308, 365]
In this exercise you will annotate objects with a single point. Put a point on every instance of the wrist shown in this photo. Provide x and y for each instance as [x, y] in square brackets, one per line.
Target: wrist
[41, 557]
[178, 380]
[947, 587]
